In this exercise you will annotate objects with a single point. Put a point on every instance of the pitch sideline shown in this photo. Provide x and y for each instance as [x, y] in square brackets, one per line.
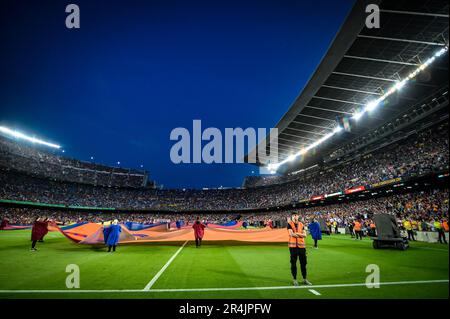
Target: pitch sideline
[392, 283]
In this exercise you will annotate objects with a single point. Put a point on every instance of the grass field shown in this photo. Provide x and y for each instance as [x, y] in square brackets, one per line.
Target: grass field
[217, 270]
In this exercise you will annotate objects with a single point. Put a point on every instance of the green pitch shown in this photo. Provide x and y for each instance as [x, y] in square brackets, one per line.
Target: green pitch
[337, 270]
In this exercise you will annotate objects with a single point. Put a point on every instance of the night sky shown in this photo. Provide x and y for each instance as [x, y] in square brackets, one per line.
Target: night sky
[115, 88]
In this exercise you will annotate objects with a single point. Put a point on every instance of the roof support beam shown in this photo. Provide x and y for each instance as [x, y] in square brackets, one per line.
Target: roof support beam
[314, 125]
[305, 131]
[351, 90]
[364, 76]
[290, 146]
[279, 147]
[298, 136]
[379, 60]
[440, 15]
[317, 117]
[400, 40]
[328, 110]
[284, 147]
[290, 141]
[336, 100]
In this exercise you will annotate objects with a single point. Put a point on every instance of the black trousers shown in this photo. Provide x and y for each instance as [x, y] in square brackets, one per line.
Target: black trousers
[411, 235]
[198, 242]
[33, 243]
[315, 242]
[113, 248]
[298, 253]
[442, 239]
[358, 233]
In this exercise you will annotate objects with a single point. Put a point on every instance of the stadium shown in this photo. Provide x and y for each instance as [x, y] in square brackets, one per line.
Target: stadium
[363, 153]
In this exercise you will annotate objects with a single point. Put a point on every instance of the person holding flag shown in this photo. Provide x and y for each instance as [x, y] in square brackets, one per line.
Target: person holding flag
[315, 231]
[199, 231]
[112, 235]
[39, 230]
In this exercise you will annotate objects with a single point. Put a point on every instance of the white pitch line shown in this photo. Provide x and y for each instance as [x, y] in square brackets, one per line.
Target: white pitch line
[227, 289]
[315, 292]
[154, 279]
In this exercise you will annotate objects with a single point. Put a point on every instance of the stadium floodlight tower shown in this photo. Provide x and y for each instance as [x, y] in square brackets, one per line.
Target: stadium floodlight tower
[388, 233]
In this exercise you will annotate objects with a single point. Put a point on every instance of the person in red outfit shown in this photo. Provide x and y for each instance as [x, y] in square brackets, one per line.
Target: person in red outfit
[4, 223]
[199, 231]
[39, 230]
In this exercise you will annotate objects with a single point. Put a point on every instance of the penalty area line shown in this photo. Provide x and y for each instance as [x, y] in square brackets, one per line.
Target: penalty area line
[154, 279]
[392, 283]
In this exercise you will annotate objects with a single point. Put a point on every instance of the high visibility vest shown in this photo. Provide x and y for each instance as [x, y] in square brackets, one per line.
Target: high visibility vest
[372, 225]
[294, 241]
[407, 225]
[445, 226]
[357, 226]
[437, 225]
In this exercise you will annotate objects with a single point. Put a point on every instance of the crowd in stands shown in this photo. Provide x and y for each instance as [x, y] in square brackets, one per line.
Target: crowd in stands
[31, 160]
[421, 208]
[420, 154]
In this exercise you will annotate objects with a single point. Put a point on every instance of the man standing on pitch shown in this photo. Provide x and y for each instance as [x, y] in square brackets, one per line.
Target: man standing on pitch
[297, 248]
[199, 231]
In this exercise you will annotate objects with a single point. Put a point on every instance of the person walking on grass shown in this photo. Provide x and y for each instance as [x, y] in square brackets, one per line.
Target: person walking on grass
[39, 230]
[440, 227]
[112, 235]
[199, 231]
[315, 231]
[297, 248]
[357, 227]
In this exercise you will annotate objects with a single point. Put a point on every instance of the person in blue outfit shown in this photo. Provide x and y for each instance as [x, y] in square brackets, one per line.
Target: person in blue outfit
[315, 231]
[112, 235]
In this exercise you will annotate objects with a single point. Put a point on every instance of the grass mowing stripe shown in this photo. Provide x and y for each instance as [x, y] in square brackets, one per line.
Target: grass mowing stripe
[415, 247]
[416, 282]
[154, 279]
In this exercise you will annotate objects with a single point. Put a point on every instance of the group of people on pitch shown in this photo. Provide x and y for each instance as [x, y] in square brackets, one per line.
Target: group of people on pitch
[296, 243]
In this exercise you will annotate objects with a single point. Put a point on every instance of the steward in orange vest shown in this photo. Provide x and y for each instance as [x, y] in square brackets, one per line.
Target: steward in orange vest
[297, 248]
[445, 225]
[441, 231]
[357, 228]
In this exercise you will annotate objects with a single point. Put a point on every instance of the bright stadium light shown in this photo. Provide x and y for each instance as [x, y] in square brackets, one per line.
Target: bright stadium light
[291, 158]
[17, 134]
[370, 106]
[358, 115]
[399, 85]
[337, 129]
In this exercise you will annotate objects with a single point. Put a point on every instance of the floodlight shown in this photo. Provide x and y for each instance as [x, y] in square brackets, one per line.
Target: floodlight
[20, 135]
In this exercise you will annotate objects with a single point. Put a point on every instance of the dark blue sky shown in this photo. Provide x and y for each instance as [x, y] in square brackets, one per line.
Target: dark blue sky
[115, 88]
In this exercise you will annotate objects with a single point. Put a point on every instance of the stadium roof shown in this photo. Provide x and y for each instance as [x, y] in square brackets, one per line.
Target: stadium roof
[361, 65]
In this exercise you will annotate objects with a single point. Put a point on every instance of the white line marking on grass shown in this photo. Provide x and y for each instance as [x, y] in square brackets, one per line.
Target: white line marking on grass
[392, 283]
[315, 292]
[154, 279]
